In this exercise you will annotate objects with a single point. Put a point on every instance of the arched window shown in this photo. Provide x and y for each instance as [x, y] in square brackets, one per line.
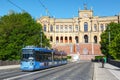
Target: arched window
[86, 27]
[51, 28]
[76, 39]
[57, 39]
[44, 28]
[70, 39]
[66, 39]
[102, 27]
[51, 38]
[86, 38]
[95, 39]
[95, 27]
[61, 39]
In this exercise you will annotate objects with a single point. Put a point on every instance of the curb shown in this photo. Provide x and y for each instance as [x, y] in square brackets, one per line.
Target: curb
[94, 76]
[9, 67]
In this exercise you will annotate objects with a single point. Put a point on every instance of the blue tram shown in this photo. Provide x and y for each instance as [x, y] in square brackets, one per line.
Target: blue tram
[34, 58]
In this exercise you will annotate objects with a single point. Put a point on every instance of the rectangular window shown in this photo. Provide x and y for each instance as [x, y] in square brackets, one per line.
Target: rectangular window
[85, 27]
[57, 28]
[66, 28]
[44, 28]
[102, 27]
[95, 27]
[61, 28]
[76, 28]
[51, 28]
[70, 28]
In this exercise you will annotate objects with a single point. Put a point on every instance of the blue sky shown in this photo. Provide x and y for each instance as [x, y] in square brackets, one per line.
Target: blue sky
[61, 8]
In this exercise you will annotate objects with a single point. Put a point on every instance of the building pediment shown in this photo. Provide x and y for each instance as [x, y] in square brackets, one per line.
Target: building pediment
[85, 13]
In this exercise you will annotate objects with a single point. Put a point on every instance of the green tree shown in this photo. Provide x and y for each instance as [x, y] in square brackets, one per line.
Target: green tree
[114, 47]
[16, 31]
[114, 30]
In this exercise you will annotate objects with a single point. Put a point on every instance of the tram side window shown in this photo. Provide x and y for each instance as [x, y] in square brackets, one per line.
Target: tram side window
[37, 56]
[47, 56]
[55, 57]
[64, 57]
[60, 58]
[43, 56]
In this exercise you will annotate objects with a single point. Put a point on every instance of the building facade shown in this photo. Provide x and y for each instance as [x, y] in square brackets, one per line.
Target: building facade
[82, 30]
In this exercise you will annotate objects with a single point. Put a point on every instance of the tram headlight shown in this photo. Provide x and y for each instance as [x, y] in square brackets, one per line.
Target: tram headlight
[31, 63]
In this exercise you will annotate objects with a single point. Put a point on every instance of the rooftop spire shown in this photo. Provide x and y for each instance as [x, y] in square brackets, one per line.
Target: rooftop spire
[85, 7]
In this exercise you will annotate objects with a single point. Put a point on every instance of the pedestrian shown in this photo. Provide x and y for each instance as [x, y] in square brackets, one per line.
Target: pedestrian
[103, 62]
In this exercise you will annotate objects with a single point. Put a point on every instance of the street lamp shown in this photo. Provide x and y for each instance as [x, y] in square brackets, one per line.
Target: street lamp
[41, 38]
[109, 34]
[52, 58]
[118, 17]
[109, 40]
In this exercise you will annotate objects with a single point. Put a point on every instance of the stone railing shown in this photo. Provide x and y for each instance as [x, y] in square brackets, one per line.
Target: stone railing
[14, 62]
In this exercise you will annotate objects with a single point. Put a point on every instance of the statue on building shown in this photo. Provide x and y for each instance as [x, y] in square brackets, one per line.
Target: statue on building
[85, 7]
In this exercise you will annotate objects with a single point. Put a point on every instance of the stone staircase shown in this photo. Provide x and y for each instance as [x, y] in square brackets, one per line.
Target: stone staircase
[87, 51]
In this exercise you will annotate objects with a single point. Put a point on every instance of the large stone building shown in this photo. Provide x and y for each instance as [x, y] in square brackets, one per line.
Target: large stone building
[79, 35]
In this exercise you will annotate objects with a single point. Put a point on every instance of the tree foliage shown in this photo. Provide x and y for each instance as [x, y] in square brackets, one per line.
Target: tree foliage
[112, 48]
[16, 31]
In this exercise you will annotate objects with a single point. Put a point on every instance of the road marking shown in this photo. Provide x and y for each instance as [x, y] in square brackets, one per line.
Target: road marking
[114, 73]
[11, 78]
[8, 72]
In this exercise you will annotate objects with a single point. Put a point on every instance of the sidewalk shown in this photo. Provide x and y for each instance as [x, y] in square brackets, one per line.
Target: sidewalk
[9, 67]
[109, 72]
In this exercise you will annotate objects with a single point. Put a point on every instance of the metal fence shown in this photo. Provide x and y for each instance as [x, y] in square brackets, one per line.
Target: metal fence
[110, 61]
[3, 63]
[114, 62]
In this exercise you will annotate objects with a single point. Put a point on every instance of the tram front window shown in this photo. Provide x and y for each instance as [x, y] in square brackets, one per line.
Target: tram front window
[27, 55]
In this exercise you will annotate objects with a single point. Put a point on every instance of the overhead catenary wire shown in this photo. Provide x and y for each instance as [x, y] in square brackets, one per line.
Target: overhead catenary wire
[16, 5]
[46, 9]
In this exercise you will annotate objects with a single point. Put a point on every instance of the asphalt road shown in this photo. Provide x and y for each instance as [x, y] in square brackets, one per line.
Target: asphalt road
[71, 71]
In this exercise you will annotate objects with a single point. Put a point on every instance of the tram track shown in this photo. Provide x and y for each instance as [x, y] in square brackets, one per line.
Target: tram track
[70, 71]
[65, 70]
[8, 75]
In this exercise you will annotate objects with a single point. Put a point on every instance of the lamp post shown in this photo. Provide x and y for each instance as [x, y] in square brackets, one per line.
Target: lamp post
[109, 35]
[52, 59]
[41, 38]
[119, 18]
[109, 40]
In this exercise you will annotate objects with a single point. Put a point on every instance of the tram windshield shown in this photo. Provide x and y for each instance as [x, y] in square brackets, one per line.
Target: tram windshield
[27, 55]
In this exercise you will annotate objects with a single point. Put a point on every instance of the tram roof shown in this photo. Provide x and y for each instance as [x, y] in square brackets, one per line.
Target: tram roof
[39, 49]
[44, 49]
